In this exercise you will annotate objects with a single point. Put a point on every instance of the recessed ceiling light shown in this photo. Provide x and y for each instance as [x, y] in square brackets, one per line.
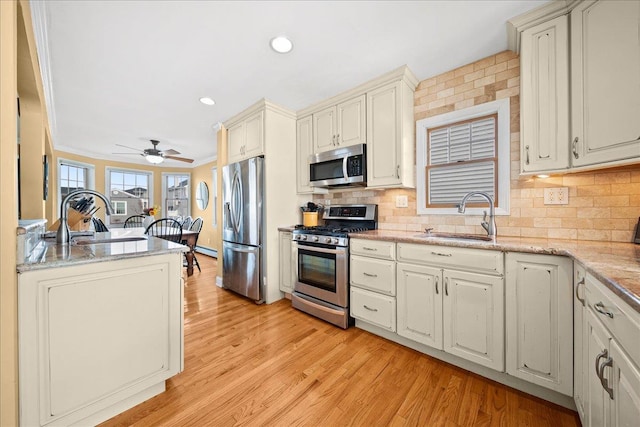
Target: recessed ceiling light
[281, 44]
[207, 101]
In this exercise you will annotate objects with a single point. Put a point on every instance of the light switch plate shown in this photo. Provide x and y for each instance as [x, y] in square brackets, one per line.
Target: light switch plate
[556, 196]
[402, 201]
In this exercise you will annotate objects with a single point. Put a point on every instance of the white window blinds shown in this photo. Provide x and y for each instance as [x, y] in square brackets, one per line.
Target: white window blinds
[461, 158]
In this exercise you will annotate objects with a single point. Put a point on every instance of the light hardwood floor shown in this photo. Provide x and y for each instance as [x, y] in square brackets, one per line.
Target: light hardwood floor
[273, 365]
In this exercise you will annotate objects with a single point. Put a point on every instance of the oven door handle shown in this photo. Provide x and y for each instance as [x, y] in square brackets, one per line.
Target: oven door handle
[322, 250]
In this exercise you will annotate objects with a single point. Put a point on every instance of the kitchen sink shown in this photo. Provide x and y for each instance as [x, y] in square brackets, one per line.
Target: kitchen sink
[82, 242]
[454, 236]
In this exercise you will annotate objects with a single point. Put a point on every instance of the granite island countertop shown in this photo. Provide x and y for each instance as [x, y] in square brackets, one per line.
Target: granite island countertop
[49, 254]
[616, 265]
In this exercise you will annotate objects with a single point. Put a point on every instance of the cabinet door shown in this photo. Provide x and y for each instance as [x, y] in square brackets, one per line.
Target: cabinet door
[351, 122]
[596, 404]
[324, 130]
[625, 410]
[419, 304]
[304, 138]
[539, 320]
[383, 136]
[254, 135]
[545, 96]
[286, 270]
[605, 90]
[236, 139]
[579, 364]
[473, 317]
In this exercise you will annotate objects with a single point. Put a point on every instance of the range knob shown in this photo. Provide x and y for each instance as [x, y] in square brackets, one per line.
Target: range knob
[303, 237]
[315, 238]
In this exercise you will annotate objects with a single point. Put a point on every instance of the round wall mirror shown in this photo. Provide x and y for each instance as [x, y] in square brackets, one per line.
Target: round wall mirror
[202, 195]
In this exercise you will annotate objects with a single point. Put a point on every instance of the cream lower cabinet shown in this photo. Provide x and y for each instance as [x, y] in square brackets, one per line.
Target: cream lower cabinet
[580, 362]
[539, 319]
[611, 373]
[460, 312]
[287, 268]
[372, 278]
[96, 339]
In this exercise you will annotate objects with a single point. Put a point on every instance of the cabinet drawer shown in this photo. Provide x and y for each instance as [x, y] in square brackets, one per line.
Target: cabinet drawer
[473, 260]
[374, 308]
[625, 323]
[374, 274]
[373, 248]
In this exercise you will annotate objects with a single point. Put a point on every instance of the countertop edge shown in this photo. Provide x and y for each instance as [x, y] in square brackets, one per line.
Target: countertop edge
[554, 248]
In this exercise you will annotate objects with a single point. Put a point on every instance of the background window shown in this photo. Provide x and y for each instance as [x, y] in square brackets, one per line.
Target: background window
[463, 151]
[129, 188]
[176, 191]
[74, 176]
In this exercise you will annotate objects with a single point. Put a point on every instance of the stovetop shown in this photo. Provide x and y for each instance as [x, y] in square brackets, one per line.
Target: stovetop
[339, 221]
[329, 230]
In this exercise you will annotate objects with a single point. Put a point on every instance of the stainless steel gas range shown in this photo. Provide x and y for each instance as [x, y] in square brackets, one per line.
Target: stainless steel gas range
[322, 262]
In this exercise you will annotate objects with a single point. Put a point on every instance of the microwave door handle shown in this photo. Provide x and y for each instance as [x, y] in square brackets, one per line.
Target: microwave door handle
[344, 167]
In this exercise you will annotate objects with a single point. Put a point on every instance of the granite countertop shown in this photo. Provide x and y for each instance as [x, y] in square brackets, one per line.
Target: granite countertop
[616, 265]
[48, 254]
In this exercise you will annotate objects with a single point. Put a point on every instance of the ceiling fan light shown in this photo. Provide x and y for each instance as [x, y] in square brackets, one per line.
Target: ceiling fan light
[155, 159]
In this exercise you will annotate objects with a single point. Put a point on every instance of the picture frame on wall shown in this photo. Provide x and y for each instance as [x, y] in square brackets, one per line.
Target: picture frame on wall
[45, 177]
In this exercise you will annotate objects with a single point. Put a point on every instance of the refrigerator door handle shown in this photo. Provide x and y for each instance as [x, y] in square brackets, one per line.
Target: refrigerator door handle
[244, 251]
[237, 201]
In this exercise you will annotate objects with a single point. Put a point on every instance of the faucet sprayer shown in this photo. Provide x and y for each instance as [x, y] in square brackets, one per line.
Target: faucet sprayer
[489, 226]
[62, 236]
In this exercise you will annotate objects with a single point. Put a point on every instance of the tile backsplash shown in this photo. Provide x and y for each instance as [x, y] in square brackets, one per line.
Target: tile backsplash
[603, 205]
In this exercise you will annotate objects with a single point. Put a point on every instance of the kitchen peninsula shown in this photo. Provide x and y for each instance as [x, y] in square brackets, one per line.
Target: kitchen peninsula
[100, 326]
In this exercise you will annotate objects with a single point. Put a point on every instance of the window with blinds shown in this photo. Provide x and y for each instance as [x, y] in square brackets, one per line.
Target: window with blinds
[462, 157]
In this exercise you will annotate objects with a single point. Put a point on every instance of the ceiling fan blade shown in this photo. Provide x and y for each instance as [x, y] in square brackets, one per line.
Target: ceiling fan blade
[170, 152]
[135, 154]
[120, 145]
[181, 159]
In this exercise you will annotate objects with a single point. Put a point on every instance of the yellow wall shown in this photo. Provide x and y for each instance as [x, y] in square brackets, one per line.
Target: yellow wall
[208, 237]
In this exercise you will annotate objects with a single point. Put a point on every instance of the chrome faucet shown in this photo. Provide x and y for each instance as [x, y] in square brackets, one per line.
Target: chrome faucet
[62, 236]
[489, 226]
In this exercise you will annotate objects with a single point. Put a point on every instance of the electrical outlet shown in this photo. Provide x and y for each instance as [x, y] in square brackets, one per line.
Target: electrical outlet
[556, 196]
[402, 201]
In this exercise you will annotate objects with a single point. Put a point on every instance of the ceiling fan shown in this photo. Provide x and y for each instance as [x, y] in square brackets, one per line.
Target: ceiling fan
[155, 156]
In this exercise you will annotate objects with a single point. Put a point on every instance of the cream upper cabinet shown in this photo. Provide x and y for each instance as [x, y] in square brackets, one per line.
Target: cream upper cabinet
[539, 290]
[605, 61]
[246, 137]
[544, 74]
[339, 126]
[390, 136]
[304, 137]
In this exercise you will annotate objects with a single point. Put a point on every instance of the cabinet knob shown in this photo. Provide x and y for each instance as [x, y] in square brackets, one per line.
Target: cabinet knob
[338, 139]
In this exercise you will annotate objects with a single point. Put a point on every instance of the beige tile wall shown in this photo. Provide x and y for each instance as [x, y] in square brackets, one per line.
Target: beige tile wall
[603, 205]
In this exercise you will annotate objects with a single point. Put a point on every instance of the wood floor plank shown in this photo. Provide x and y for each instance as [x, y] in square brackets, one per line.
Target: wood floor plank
[271, 365]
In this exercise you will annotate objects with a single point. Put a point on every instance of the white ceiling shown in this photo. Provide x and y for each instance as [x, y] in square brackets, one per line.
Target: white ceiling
[123, 72]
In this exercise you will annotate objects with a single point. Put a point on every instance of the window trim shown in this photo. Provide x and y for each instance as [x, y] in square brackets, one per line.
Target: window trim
[107, 183]
[114, 205]
[164, 191]
[91, 174]
[500, 107]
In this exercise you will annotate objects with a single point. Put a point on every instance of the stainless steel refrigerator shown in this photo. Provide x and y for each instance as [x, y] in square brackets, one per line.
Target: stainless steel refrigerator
[242, 233]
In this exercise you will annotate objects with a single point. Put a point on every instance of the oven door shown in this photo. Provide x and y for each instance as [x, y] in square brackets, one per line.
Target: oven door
[322, 272]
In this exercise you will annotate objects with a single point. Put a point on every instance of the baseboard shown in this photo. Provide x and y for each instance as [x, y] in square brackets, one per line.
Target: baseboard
[219, 281]
[207, 251]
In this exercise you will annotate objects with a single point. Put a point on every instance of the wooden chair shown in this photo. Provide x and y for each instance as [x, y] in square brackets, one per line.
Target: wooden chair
[134, 221]
[197, 227]
[165, 228]
[98, 225]
[186, 223]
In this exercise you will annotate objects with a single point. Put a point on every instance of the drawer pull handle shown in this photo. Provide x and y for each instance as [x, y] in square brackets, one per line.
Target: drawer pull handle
[440, 254]
[370, 309]
[600, 372]
[599, 307]
[369, 249]
[581, 282]
[370, 275]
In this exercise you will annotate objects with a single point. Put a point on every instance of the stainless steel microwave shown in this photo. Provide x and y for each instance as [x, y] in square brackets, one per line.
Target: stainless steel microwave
[340, 167]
